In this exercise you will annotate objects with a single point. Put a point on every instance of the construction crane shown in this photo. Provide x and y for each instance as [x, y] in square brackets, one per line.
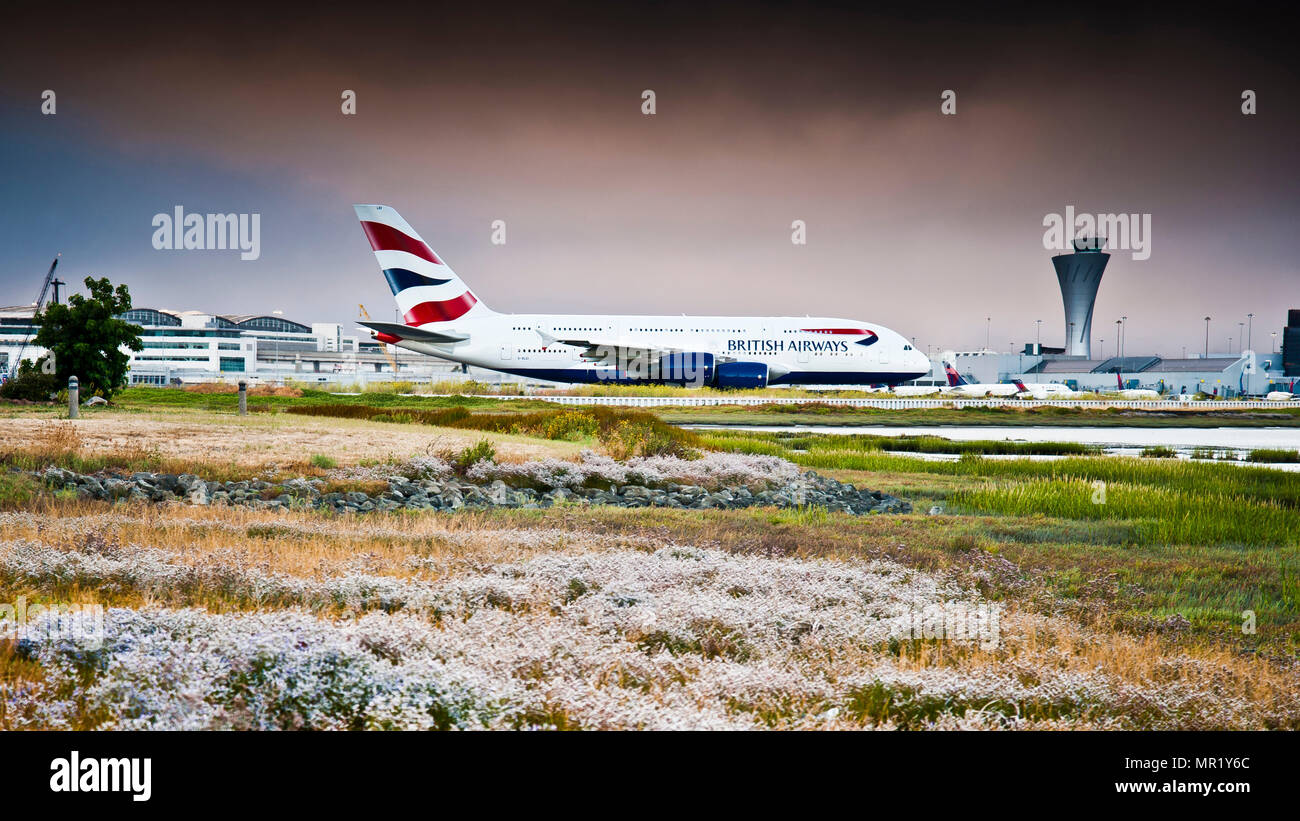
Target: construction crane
[391, 361]
[36, 308]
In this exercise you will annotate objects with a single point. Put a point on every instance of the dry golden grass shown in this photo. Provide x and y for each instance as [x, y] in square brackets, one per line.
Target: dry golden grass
[259, 440]
[304, 543]
[257, 390]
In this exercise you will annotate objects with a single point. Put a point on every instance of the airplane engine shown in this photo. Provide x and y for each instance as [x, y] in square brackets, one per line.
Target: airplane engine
[691, 369]
[740, 375]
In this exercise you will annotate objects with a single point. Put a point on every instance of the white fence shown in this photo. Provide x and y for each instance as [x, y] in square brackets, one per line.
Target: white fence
[903, 404]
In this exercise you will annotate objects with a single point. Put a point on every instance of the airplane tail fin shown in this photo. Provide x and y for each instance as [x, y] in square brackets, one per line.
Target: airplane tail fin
[425, 288]
[954, 378]
[1020, 386]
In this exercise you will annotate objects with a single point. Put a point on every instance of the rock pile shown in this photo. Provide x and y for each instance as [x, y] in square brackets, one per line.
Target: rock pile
[810, 489]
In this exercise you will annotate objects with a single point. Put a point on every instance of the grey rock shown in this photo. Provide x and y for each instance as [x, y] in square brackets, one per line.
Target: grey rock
[199, 494]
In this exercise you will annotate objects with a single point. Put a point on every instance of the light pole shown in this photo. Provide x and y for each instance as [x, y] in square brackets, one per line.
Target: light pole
[1038, 337]
[1071, 345]
[1274, 333]
[1103, 348]
[1250, 330]
[1240, 325]
[1207, 337]
[988, 331]
[275, 367]
[1117, 331]
[1123, 338]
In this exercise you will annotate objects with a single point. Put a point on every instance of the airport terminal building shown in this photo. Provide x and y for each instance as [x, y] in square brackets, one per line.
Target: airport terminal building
[182, 347]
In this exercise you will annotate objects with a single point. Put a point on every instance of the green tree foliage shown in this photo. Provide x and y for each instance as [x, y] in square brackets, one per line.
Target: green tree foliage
[86, 338]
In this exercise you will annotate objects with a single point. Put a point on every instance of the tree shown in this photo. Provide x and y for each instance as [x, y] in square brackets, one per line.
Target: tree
[86, 338]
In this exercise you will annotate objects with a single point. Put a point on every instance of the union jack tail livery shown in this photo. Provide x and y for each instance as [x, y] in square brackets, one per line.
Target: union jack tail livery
[425, 287]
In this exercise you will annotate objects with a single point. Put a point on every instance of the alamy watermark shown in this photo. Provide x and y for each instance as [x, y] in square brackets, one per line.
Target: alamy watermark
[80, 624]
[72, 773]
[1121, 232]
[953, 621]
[179, 231]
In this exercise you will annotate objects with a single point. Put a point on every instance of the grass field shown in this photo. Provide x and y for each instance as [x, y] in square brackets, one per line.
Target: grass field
[1137, 593]
[143, 399]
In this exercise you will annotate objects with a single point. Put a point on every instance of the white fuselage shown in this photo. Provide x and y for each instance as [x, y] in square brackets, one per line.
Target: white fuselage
[796, 350]
[1049, 390]
[976, 391]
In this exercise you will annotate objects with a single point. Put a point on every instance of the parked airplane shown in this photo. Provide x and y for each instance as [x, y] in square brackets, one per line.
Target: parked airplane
[916, 390]
[1132, 393]
[1286, 395]
[958, 386]
[1046, 390]
[443, 318]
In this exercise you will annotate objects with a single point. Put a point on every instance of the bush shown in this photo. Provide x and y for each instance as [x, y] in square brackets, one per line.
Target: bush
[482, 451]
[322, 461]
[1159, 452]
[628, 439]
[1274, 455]
[31, 383]
[571, 424]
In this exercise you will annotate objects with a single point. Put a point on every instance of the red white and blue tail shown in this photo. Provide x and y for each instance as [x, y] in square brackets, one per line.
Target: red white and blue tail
[954, 379]
[425, 287]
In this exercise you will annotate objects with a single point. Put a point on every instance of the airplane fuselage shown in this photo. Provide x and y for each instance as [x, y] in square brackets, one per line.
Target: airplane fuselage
[795, 350]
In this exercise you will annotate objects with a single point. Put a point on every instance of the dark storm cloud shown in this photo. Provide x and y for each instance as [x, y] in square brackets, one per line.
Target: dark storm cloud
[766, 114]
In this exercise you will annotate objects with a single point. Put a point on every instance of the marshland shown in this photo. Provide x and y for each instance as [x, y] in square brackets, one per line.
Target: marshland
[1110, 592]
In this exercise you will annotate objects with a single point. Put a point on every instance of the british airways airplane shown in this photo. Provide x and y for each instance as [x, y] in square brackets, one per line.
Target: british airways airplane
[443, 318]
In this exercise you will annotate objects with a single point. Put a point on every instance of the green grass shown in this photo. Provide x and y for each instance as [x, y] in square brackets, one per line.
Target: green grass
[811, 413]
[1276, 455]
[1193, 478]
[1159, 452]
[150, 399]
[780, 443]
[816, 414]
[1158, 515]
[16, 490]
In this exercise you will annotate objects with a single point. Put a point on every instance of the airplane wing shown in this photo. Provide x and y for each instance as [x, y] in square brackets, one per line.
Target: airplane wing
[600, 350]
[396, 329]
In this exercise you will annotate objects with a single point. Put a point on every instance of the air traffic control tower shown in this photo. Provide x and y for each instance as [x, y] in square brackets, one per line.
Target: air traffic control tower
[1080, 274]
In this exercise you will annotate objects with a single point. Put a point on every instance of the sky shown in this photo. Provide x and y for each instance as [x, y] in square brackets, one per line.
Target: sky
[765, 113]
